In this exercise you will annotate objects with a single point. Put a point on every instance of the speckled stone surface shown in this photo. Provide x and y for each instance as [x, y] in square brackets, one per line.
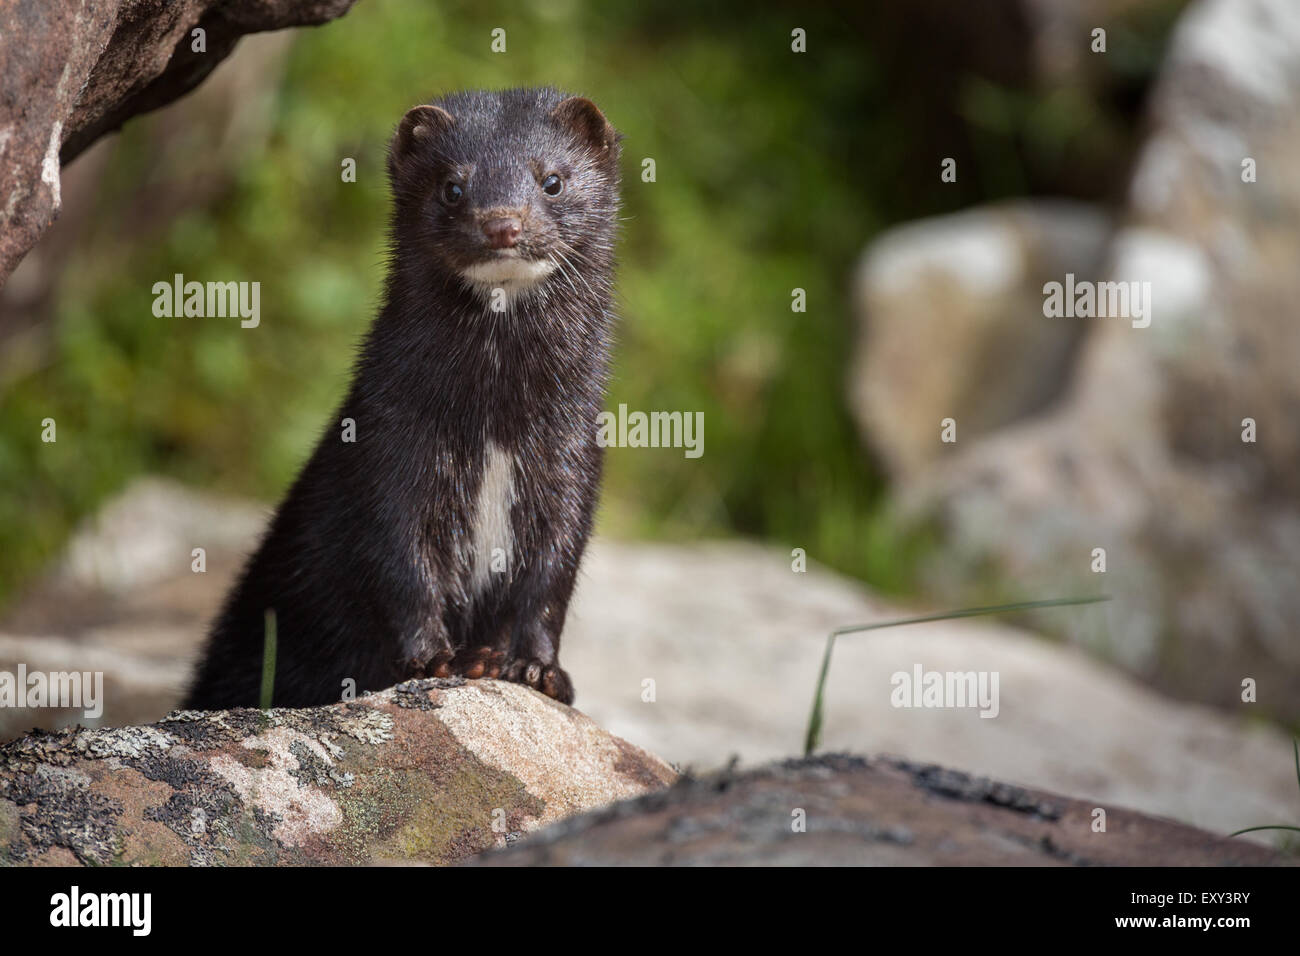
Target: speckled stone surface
[429, 771]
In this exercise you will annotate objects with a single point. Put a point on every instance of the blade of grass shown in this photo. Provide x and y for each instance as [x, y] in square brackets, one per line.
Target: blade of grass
[1253, 829]
[268, 659]
[1295, 748]
[813, 737]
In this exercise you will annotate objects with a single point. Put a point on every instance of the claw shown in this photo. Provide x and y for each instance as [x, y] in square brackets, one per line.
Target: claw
[547, 678]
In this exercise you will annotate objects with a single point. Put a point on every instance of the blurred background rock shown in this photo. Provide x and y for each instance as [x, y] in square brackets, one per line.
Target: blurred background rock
[774, 171]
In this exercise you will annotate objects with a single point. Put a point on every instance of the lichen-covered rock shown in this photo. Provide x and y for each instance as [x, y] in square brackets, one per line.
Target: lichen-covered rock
[839, 810]
[70, 72]
[428, 771]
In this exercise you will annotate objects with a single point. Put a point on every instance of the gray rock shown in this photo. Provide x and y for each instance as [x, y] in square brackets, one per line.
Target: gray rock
[1144, 457]
[946, 310]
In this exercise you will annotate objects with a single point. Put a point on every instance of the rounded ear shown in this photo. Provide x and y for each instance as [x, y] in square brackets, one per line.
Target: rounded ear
[420, 124]
[584, 119]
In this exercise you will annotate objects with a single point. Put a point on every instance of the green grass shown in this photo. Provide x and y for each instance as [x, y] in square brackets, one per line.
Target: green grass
[812, 739]
[268, 660]
[1295, 747]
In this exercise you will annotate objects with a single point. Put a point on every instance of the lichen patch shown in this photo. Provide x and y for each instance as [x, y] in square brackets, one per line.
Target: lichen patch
[279, 788]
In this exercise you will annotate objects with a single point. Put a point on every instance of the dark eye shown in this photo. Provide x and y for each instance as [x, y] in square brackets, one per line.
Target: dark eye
[452, 192]
[552, 185]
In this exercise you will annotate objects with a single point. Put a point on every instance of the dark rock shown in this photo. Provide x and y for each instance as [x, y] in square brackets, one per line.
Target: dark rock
[71, 73]
[872, 813]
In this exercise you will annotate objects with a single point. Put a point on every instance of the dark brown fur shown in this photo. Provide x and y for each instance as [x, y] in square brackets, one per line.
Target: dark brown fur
[365, 561]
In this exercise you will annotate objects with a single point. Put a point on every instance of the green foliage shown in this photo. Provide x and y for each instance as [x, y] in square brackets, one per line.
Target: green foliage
[268, 660]
[773, 172]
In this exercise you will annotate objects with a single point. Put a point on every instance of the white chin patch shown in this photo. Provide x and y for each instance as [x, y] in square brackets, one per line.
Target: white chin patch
[510, 273]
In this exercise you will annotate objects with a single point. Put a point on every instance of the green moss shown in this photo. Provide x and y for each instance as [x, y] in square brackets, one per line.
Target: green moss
[459, 813]
[409, 815]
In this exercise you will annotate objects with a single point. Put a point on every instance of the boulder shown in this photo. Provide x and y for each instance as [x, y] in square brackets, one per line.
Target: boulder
[1173, 447]
[189, 156]
[839, 810]
[945, 309]
[731, 639]
[429, 771]
[69, 73]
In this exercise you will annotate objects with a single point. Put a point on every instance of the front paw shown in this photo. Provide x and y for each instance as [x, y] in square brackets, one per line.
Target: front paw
[473, 663]
[439, 665]
[551, 679]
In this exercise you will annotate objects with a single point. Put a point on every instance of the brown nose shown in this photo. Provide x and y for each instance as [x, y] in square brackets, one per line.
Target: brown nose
[502, 233]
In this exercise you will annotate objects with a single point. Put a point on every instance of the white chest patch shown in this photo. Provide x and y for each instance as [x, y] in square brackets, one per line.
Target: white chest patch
[491, 536]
